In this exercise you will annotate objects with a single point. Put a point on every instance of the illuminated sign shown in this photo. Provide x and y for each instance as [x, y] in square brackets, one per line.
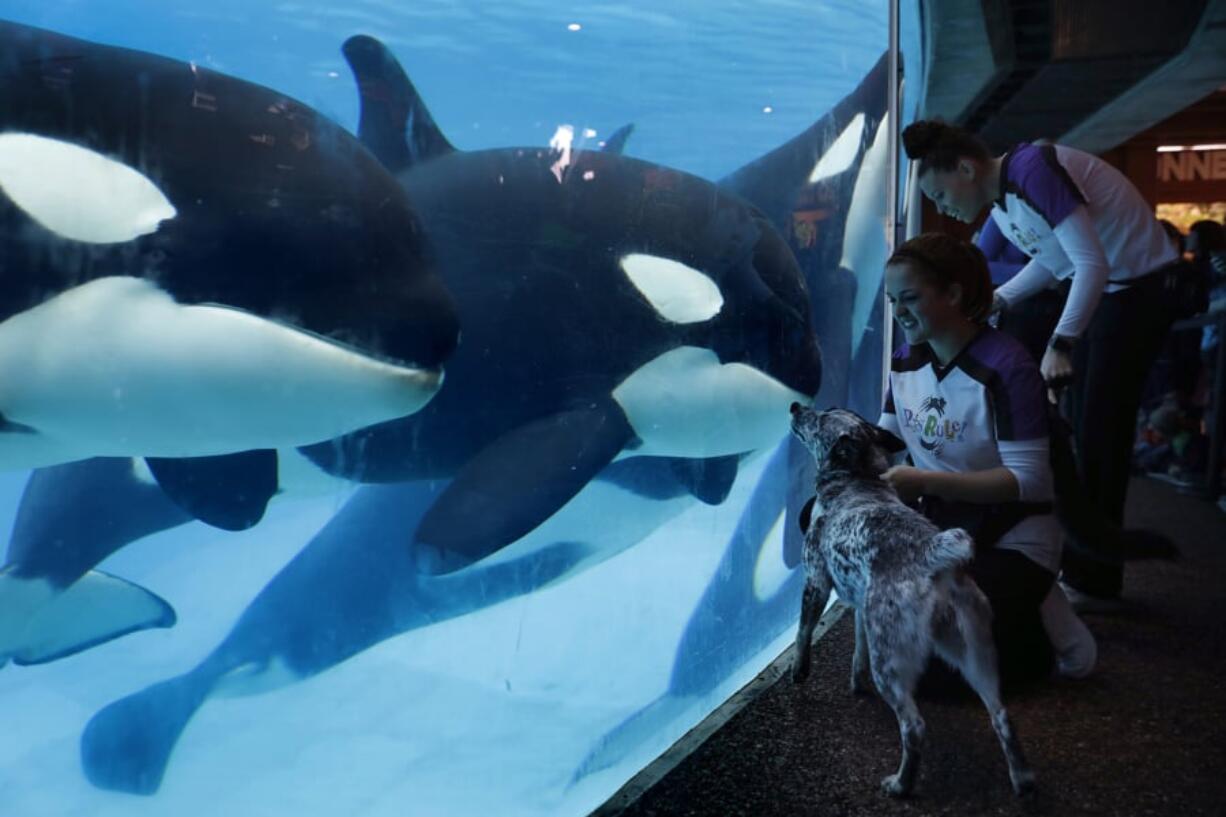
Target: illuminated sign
[1192, 175]
[1192, 166]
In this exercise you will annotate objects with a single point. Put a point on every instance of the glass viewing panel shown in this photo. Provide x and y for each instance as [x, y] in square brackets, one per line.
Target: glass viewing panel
[415, 444]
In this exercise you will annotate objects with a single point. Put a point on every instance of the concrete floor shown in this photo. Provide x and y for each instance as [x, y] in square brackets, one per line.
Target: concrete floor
[1145, 735]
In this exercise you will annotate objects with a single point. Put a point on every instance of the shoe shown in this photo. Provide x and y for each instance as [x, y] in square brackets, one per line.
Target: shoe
[1074, 646]
[1086, 604]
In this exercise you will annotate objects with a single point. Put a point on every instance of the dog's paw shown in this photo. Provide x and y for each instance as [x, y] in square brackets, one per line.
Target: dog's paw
[1023, 783]
[800, 671]
[894, 786]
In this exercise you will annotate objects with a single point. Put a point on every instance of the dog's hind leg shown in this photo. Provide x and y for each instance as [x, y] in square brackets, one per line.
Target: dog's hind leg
[861, 676]
[897, 650]
[817, 591]
[979, 667]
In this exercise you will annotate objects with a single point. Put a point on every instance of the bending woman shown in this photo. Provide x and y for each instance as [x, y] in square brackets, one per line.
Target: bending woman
[969, 403]
[1076, 217]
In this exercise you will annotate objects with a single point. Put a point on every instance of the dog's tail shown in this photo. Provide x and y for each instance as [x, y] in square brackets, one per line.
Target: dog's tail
[950, 548]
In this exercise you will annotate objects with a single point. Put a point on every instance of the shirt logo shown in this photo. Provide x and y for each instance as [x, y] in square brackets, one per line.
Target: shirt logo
[932, 427]
[1026, 240]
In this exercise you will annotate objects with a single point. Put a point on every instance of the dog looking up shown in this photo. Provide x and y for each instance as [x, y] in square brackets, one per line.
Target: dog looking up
[905, 580]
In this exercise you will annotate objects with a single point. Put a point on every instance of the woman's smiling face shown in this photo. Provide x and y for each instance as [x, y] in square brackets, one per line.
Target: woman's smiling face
[956, 193]
[922, 311]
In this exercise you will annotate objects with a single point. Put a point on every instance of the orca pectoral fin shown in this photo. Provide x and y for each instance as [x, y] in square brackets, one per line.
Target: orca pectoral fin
[229, 492]
[709, 480]
[7, 426]
[517, 483]
[126, 745]
[617, 142]
[96, 609]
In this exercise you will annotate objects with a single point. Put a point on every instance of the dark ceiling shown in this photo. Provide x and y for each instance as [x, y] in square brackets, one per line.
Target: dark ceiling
[1057, 60]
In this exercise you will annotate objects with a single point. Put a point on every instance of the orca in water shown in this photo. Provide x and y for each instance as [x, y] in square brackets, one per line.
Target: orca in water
[51, 548]
[196, 266]
[128, 744]
[374, 592]
[611, 307]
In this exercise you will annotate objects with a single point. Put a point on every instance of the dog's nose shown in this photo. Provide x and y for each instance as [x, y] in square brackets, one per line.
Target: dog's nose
[795, 407]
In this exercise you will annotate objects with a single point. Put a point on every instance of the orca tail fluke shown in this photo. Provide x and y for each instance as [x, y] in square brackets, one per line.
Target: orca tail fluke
[126, 746]
[96, 609]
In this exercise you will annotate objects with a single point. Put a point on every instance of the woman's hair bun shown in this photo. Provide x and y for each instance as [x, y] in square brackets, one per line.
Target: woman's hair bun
[919, 138]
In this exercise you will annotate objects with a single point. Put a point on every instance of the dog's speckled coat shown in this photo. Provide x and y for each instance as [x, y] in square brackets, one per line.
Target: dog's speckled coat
[905, 580]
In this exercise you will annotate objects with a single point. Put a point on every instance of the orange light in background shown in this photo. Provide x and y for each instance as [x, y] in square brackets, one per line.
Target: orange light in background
[1184, 214]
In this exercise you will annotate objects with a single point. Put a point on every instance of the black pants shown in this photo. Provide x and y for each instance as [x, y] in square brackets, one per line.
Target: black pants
[1015, 587]
[1033, 320]
[1111, 363]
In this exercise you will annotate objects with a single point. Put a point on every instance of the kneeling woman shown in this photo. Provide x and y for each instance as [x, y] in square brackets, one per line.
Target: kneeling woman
[970, 404]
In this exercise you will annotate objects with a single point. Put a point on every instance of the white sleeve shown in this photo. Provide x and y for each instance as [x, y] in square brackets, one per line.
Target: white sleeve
[1080, 243]
[1030, 463]
[1030, 279]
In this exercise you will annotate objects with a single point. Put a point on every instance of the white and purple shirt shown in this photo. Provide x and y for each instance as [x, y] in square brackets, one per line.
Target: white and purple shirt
[1075, 215]
[984, 410]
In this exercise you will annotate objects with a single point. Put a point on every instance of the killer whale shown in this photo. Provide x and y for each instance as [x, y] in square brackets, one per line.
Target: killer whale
[641, 474]
[818, 189]
[57, 548]
[374, 592]
[616, 308]
[196, 266]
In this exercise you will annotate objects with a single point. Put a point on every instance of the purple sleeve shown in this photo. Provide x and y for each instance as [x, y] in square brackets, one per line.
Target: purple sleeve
[990, 239]
[1036, 175]
[1004, 259]
[1021, 401]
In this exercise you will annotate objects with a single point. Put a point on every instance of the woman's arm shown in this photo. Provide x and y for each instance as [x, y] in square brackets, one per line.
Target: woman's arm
[1032, 278]
[1080, 243]
[987, 487]
[1024, 475]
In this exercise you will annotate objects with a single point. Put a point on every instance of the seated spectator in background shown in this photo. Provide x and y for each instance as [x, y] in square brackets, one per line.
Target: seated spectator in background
[1206, 244]
[1173, 232]
[969, 403]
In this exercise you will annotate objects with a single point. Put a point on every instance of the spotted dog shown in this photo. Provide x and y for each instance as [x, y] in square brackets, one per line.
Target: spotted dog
[903, 577]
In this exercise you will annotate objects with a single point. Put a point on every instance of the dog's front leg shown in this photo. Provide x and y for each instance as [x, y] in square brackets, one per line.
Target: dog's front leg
[861, 676]
[817, 591]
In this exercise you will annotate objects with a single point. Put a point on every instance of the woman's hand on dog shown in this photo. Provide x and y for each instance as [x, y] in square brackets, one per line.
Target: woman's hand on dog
[907, 480]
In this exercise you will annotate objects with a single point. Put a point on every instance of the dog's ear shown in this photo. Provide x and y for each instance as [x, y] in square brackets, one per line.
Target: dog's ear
[844, 451]
[888, 440]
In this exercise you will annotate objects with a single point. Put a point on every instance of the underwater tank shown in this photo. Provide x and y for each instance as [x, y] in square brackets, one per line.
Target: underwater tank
[395, 417]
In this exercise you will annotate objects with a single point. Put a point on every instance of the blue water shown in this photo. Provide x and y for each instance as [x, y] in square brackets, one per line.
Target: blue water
[696, 78]
[491, 702]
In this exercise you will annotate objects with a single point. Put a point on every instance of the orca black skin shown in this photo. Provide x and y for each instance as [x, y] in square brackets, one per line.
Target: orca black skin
[281, 212]
[377, 594]
[60, 547]
[277, 211]
[531, 243]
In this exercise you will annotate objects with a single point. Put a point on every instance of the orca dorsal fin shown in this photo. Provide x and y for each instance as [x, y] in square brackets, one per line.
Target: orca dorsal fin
[616, 143]
[772, 182]
[395, 124]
